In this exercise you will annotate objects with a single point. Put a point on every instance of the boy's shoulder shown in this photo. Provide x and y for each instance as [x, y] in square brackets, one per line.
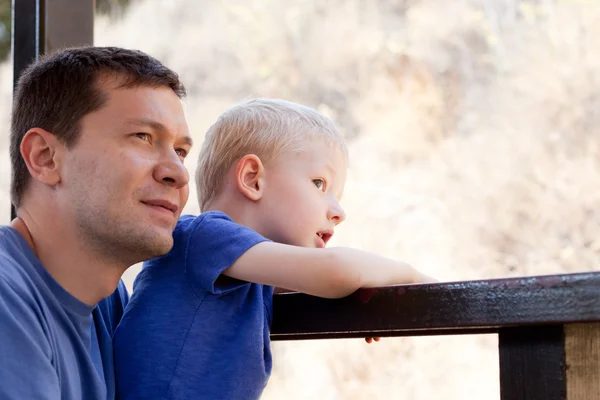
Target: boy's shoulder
[206, 220]
[211, 226]
[207, 238]
[208, 223]
[206, 226]
[211, 230]
[204, 247]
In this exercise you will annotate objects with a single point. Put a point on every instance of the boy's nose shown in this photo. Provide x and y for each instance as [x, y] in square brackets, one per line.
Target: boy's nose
[336, 213]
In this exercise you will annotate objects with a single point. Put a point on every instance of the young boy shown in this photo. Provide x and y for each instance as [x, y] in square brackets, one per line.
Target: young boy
[270, 177]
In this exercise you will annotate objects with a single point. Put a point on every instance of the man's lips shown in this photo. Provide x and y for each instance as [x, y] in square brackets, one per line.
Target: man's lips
[165, 204]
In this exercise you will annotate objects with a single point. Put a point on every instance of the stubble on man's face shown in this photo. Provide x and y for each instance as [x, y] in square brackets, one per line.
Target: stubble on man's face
[112, 171]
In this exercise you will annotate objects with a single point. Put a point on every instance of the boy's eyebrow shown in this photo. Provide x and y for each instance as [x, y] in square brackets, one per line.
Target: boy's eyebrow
[157, 126]
[331, 170]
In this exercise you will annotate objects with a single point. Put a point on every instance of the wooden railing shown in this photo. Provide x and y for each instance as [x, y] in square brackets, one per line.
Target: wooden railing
[548, 326]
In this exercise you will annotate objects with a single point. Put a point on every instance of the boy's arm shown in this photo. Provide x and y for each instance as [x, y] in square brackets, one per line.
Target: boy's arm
[279, 290]
[332, 273]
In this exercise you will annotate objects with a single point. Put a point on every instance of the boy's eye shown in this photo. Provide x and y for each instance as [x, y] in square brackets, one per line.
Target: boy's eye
[319, 183]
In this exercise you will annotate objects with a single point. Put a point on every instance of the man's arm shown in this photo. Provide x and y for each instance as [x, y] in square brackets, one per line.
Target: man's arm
[26, 371]
[332, 273]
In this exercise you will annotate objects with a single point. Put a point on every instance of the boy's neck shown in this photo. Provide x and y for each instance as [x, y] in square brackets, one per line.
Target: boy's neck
[241, 212]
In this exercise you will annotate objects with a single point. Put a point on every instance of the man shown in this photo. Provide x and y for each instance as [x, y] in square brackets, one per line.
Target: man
[97, 145]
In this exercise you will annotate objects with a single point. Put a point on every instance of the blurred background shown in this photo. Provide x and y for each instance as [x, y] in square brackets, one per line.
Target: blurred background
[474, 132]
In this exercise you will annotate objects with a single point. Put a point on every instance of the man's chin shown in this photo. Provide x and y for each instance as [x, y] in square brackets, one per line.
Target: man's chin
[161, 247]
[152, 245]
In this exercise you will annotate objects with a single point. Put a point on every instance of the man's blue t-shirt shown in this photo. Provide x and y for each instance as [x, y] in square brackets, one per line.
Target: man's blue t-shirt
[185, 335]
[52, 346]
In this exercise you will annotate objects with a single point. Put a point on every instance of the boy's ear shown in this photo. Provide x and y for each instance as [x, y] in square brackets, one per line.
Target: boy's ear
[41, 152]
[249, 176]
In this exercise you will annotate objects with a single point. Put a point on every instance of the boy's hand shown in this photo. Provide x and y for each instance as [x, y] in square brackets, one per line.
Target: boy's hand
[420, 278]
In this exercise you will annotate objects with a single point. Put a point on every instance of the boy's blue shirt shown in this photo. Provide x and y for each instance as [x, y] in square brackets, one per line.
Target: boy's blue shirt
[185, 337]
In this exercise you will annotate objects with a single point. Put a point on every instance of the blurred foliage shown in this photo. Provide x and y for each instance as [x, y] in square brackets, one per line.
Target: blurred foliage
[5, 19]
[104, 7]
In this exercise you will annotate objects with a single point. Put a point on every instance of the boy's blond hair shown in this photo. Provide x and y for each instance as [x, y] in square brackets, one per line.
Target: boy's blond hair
[265, 127]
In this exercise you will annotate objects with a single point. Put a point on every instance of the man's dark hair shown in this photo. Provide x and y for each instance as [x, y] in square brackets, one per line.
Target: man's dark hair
[58, 90]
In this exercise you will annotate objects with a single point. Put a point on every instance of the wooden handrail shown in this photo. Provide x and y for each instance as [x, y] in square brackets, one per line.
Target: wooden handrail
[482, 306]
[548, 326]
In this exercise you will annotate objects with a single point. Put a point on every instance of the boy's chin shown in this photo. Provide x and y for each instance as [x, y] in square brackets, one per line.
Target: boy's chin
[310, 244]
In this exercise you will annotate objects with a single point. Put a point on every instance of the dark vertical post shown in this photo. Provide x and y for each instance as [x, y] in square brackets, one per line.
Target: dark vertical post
[42, 26]
[532, 363]
[27, 33]
[27, 39]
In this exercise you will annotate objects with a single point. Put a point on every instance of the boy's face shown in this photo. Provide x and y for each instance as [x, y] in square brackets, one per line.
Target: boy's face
[302, 192]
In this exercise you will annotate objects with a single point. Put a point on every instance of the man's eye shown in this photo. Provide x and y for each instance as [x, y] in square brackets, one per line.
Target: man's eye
[319, 183]
[143, 136]
[181, 153]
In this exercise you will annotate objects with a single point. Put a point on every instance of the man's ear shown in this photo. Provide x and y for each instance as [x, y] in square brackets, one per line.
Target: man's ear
[41, 151]
[249, 177]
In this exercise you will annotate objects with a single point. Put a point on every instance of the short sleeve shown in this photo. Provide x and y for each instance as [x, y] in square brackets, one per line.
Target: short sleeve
[26, 370]
[214, 243]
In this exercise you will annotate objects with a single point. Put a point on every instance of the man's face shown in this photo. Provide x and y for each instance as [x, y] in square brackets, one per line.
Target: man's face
[123, 183]
[302, 193]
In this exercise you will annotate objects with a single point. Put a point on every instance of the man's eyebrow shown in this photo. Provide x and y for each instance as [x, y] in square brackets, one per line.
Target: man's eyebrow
[187, 140]
[157, 126]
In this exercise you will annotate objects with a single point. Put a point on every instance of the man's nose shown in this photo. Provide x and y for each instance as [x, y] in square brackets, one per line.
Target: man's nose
[171, 171]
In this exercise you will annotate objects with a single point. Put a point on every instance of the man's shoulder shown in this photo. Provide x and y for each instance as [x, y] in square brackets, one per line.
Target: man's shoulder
[20, 297]
[9, 240]
[17, 270]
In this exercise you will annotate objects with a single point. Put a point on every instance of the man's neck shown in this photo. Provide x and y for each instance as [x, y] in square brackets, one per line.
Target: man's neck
[78, 271]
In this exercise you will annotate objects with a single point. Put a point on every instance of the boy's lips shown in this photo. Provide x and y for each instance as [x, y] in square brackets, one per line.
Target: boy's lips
[325, 235]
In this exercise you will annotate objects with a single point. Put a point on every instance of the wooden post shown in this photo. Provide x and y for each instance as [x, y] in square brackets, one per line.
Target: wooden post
[532, 363]
[550, 362]
[582, 346]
